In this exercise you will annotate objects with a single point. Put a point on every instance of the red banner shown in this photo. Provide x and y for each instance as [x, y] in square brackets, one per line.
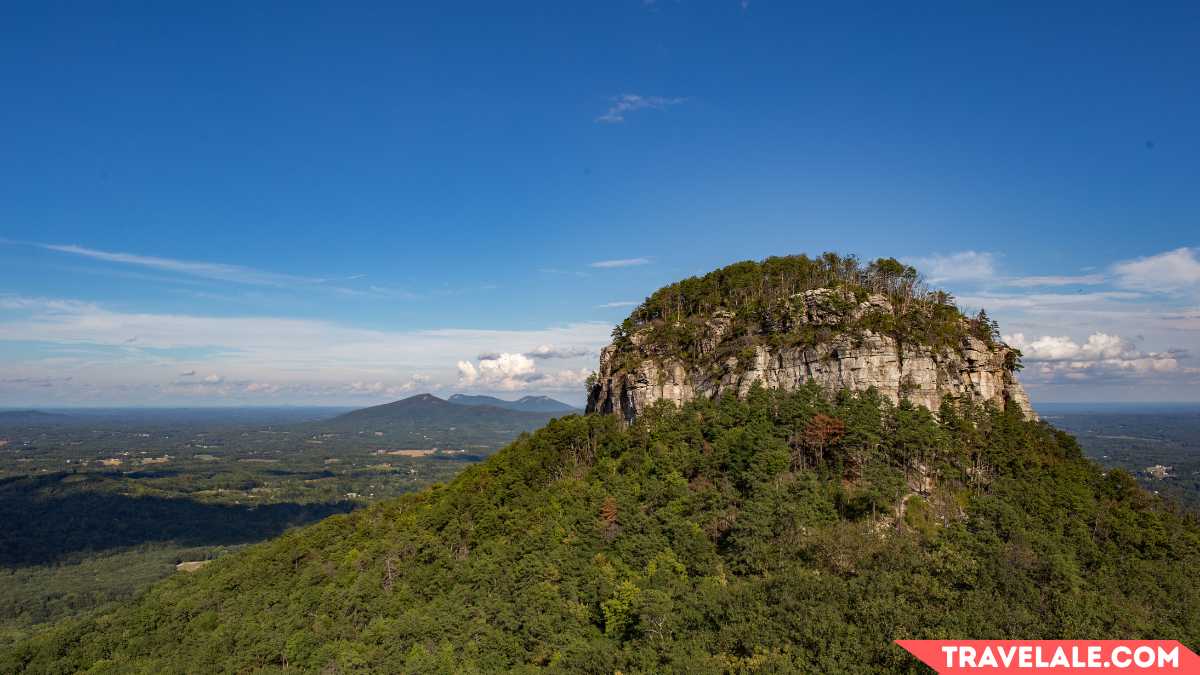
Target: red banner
[1024, 656]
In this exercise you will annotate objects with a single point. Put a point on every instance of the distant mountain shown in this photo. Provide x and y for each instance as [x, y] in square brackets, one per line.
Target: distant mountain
[425, 420]
[525, 403]
[31, 417]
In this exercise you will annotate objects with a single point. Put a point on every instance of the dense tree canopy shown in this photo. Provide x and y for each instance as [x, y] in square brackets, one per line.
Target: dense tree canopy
[766, 304]
[782, 532]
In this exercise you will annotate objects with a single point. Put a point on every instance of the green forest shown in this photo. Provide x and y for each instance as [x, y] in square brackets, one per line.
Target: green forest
[786, 532]
[765, 303]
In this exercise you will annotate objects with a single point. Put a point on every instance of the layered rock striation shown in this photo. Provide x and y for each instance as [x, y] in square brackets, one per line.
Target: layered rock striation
[636, 374]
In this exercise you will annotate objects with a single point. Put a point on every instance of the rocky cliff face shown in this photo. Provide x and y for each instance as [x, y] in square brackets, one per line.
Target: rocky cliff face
[632, 378]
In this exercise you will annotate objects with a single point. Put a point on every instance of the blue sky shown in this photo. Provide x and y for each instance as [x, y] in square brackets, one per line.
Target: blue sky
[311, 203]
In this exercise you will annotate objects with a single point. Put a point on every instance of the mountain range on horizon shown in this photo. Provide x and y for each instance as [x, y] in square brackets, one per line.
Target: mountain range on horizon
[425, 420]
[431, 407]
[525, 403]
[30, 417]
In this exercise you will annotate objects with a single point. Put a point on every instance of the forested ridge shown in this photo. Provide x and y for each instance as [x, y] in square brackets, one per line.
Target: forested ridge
[767, 301]
[786, 532]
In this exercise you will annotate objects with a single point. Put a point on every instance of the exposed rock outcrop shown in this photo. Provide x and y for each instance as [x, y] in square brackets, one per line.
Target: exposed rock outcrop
[632, 378]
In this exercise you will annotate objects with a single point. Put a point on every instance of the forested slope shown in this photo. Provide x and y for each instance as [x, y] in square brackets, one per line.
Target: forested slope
[783, 532]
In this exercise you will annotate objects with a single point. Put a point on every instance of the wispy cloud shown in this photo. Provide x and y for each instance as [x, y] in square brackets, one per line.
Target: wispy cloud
[627, 103]
[542, 352]
[236, 274]
[37, 381]
[387, 293]
[557, 271]
[961, 266]
[1045, 301]
[1165, 272]
[287, 358]
[622, 262]
[208, 270]
[378, 387]
[980, 267]
[620, 303]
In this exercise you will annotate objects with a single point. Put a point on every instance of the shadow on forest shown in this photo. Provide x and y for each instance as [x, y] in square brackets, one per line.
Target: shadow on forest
[299, 474]
[154, 473]
[45, 520]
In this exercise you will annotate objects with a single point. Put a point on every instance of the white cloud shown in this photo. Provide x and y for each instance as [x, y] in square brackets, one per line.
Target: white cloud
[552, 352]
[508, 365]
[467, 374]
[622, 262]
[511, 372]
[627, 103]
[1165, 272]
[498, 371]
[1101, 356]
[1060, 348]
[961, 266]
